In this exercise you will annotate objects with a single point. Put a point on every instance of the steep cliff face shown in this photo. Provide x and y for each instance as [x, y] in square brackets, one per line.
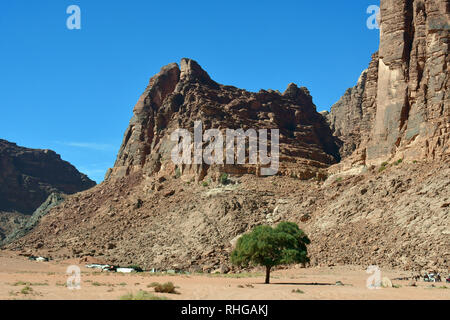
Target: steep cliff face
[29, 176]
[413, 106]
[408, 108]
[178, 96]
[351, 118]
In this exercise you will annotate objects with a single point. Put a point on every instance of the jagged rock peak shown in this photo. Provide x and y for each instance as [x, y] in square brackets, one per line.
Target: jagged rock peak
[300, 95]
[191, 71]
[176, 97]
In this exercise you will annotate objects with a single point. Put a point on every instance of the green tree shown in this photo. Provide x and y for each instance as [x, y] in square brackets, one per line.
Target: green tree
[266, 246]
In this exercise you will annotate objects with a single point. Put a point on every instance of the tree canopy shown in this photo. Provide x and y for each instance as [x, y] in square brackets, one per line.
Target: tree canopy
[266, 246]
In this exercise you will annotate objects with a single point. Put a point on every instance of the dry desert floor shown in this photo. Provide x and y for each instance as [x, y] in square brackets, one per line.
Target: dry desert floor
[21, 278]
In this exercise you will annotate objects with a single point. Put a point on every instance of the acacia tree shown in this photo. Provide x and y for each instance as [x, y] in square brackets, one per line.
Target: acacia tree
[266, 246]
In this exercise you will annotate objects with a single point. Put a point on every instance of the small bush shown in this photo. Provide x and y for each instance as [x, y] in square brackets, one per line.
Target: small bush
[205, 184]
[298, 291]
[26, 290]
[399, 161]
[153, 284]
[167, 287]
[141, 295]
[224, 179]
[97, 284]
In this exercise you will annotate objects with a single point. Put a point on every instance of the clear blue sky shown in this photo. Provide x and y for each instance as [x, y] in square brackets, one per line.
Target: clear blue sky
[73, 90]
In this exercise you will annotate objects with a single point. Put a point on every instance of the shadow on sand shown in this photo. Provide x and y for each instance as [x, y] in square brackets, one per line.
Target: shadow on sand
[303, 284]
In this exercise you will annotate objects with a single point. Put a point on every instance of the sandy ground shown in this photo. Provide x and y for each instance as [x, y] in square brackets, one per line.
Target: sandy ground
[47, 281]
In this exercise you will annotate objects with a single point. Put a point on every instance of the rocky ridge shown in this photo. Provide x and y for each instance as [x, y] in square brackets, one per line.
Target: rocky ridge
[180, 95]
[29, 176]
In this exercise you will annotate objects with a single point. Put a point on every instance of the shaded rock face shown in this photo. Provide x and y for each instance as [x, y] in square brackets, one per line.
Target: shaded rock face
[9, 221]
[413, 104]
[351, 118]
[180, 95]
[23, 226]
[408, 116]
[29, 176]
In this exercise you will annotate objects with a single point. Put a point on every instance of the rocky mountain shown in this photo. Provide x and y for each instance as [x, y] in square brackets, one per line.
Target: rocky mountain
[180, 95]
[400, 108]
[29, 176]
[386, 203]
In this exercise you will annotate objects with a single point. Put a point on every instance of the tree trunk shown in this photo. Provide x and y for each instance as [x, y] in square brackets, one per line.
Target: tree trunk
[267, 275]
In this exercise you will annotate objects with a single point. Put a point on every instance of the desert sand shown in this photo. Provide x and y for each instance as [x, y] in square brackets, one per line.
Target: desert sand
[47, 282]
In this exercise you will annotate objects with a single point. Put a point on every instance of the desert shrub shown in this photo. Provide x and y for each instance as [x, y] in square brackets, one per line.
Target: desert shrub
[26, 290]
[167, 287]
[97, 284]
[153, 284]
[141, 295]
[297, 291]
[205, 184]
[224, 179]
[383, 167]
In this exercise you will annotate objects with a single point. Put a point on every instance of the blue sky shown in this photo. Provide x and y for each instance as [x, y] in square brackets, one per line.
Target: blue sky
[73, 90]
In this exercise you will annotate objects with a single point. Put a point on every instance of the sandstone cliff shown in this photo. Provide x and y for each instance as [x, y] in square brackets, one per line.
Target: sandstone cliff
[351, 118]
[407, 105]
[178, 96]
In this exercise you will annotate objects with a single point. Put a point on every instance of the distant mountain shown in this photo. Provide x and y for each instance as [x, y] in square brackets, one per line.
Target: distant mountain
[29, 176]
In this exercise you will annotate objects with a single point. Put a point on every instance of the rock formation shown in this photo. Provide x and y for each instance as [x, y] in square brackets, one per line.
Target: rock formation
[178, 96]
[351, 118]
[29, 176]
[409, 116]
